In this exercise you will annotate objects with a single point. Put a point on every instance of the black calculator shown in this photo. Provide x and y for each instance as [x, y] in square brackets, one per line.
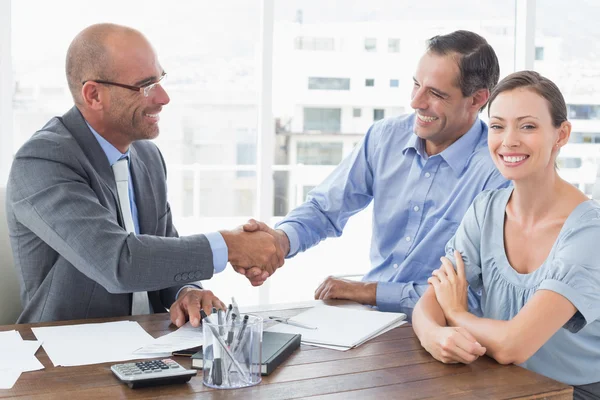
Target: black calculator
[152, 373]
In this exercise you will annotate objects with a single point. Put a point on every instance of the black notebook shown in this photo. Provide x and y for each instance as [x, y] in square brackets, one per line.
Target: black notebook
[276, 347]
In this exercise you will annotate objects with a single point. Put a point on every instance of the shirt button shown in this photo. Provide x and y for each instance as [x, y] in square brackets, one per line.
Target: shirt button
[396, 266]
[416, 208]
[427, 174]
[407, 238]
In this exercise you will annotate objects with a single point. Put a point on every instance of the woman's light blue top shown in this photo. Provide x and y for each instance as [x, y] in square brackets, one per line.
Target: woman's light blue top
[572, 270]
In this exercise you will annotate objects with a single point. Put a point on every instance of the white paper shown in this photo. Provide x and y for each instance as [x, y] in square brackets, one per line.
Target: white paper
[16, 356]
[8, 378]
[340, 327]
[20, 356]
[185, 337]
[85, 344]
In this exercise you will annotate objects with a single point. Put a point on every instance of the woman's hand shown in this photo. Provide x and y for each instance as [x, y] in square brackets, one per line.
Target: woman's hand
[450, 286]
[452, 345]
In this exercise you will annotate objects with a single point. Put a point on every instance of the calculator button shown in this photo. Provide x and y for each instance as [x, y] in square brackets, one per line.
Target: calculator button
[147, 371]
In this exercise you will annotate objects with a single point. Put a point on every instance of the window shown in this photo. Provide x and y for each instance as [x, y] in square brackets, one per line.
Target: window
[569, 162]
[394, 83]
[322, 119]
[246, 155]
[314, 43]
[319, 153]
[328, 83]
[214, 86]
[371, 44]
[568, 61]
[378, 114]
[584, 111]
[393, 45]
[369, 82]
[305, 190]
[356, 112]
[539, 54]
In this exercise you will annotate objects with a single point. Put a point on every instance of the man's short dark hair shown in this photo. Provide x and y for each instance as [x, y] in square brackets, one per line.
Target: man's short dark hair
[477, 61]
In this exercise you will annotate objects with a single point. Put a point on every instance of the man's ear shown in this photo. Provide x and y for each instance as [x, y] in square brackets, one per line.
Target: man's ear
[92, 96]
[480, 97]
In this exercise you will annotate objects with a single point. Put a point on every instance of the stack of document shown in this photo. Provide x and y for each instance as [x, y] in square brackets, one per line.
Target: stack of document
[340, 328]
[85, 344]
[186, 337]
[16, 356]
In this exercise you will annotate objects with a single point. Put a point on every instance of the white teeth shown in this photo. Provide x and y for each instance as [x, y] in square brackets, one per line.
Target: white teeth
[514, 159]
[425, 118]
[152, 115]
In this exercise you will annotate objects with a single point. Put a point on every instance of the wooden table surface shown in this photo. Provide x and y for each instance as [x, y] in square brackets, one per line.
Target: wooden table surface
[390, 366]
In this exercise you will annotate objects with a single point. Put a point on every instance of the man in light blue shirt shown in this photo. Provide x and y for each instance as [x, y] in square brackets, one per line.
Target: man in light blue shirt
[422, 172]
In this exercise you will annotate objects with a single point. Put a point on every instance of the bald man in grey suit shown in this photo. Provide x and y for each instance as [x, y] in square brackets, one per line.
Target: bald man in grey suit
[74, 257]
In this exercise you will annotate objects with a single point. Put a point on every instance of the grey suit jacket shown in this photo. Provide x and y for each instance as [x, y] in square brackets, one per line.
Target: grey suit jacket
[72, 253]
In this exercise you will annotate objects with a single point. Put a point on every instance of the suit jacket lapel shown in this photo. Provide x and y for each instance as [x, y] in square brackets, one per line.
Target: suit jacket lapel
[75, 123]
[144, 190]
[144, 194]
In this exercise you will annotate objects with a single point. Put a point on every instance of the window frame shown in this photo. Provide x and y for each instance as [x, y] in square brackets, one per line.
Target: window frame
[525, 12]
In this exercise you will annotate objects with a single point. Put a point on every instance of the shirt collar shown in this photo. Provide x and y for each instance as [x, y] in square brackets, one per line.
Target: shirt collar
[457, 154]
[416, 143]
[112, 154]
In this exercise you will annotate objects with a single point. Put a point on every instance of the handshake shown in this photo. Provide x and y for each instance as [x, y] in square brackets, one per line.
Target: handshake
[256, 250]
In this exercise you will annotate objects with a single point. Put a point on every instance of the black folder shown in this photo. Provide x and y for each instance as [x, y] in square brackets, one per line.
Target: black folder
[276, 348]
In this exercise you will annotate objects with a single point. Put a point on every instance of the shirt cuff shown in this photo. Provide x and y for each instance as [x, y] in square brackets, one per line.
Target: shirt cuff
[393, 297]
[292, 237]
[191, 285]
[219, 250]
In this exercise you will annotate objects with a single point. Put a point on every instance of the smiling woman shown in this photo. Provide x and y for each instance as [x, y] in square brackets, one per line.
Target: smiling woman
[530, 248]
[520, 119]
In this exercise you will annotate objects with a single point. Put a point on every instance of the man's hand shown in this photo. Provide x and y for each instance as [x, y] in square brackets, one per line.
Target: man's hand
[283, 242]
[451, 286]
[190, 302]
[453, 345]
[256, 275]
[336, 288]
[252, 249]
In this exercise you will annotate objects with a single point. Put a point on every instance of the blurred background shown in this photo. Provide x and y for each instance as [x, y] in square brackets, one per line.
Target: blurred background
[267, 97]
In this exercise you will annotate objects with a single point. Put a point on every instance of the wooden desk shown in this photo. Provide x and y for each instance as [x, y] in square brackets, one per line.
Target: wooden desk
[392, 365]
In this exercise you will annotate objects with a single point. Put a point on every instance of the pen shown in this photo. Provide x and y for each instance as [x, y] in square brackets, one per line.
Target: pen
[236, 309]
[231, 328]
[240, 335]
[220, 319]
[244, 323]
[217, 368]
[228, 314]
[290, 322]
[223, 346]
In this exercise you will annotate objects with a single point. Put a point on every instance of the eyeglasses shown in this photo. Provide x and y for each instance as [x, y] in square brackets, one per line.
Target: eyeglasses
[145, 90]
